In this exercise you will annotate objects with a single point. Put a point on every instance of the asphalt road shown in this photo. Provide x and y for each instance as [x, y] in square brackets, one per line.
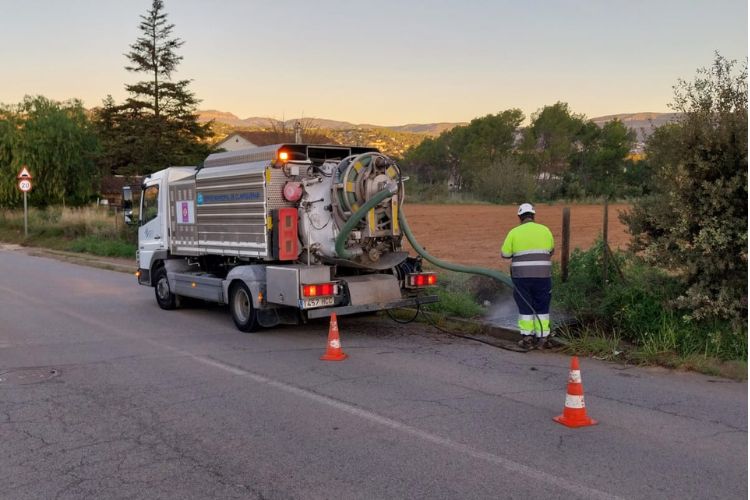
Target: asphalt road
[105, 396]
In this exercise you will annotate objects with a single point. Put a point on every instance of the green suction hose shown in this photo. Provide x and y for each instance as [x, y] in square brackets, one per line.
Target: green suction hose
[445, 265]
[341, 250]
[344, 253]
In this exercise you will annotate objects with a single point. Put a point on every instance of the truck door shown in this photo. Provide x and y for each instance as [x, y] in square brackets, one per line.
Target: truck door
[150, 237]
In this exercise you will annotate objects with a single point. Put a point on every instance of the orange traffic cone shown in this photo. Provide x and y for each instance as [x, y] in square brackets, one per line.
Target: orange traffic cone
[333, 353]
[574, 414]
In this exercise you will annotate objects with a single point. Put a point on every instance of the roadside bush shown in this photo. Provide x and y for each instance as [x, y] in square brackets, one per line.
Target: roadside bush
[641, 309]
[694, 223]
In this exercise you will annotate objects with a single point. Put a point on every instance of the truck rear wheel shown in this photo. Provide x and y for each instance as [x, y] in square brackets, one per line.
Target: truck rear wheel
[241, 306]
[164, 296]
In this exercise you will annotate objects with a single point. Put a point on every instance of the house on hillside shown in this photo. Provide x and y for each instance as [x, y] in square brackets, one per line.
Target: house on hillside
[244, 140]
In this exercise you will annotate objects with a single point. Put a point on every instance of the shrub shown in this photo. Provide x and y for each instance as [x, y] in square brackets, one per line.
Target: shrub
[695, 222]
[504, 181]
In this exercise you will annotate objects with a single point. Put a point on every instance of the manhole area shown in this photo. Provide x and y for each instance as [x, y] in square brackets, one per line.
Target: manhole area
[27, 376]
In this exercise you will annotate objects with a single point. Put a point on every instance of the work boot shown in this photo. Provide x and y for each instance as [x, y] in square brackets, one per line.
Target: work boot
[543, 343]
[527, 342]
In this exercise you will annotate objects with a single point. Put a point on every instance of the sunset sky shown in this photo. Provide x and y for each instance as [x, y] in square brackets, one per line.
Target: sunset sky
[390, 62]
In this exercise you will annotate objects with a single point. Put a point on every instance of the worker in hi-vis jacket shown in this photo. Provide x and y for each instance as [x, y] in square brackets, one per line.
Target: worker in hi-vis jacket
[531, 246]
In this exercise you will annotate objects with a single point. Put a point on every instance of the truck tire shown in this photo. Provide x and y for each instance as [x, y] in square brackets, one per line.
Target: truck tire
[241, 307]
[164, 296]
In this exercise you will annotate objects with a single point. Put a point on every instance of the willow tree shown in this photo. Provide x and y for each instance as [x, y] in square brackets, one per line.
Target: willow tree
[57, 143]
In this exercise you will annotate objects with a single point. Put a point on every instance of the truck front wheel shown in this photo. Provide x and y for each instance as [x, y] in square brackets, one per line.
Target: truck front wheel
[164, 296]
[241, 306]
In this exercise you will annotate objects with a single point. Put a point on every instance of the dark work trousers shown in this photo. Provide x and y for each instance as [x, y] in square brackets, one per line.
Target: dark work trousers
[538, 293]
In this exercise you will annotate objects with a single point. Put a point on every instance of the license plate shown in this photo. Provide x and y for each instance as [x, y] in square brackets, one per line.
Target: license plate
[316, 302]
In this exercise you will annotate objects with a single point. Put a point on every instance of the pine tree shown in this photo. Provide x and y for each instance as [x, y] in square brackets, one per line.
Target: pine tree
[162, 126]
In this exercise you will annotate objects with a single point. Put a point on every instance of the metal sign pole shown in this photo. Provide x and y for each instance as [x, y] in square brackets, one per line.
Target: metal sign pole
[25, 217]
[24, 184]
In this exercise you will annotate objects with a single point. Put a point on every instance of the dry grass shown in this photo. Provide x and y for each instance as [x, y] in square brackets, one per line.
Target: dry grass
[86, 229]
[64, 221]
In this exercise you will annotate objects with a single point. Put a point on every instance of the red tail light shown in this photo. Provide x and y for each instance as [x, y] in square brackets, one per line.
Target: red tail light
[422, 279]
[319, 290]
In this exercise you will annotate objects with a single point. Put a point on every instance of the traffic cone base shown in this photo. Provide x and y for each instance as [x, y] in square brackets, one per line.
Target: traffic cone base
[575, 423]
[574, 414]
[333, 352]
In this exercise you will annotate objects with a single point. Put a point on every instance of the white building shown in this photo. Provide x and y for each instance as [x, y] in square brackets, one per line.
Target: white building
[244, 140]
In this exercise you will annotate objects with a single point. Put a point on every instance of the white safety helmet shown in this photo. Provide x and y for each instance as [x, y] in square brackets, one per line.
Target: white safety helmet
[526, 208]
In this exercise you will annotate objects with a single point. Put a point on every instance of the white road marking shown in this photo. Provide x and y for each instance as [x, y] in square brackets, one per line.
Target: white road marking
[537, 475]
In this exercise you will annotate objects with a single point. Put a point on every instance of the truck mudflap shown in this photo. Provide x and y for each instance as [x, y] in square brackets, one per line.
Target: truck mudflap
[325, 312]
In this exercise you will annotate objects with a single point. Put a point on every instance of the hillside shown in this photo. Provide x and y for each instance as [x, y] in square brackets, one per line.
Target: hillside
[394, 139]
[433, 129]
[388, 141]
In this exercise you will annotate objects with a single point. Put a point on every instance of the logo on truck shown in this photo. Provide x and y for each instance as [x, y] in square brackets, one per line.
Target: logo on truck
[185, 212]
[218, 198]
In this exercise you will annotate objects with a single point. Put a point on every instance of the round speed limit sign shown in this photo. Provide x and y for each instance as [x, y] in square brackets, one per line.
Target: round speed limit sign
[24, 185]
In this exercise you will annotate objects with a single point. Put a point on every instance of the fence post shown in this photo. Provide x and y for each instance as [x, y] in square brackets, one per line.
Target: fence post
[605, 244]
[565, 257]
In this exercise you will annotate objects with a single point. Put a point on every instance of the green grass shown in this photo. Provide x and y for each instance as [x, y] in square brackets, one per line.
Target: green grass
[105, 248]
[455, 300]
[594, 342]
[609, 346]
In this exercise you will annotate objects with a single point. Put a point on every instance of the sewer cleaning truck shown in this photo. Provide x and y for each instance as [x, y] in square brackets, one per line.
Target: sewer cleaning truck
[281, 234]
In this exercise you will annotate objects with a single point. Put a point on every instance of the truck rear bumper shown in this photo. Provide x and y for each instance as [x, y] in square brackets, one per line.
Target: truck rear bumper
[324, 312]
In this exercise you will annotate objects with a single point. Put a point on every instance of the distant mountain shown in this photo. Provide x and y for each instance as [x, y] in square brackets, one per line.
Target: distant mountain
[233, 120]
[433, 129]
[642, 123]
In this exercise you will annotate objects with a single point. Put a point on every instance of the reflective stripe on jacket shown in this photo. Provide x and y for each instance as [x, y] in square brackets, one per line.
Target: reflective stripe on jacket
[531, 246]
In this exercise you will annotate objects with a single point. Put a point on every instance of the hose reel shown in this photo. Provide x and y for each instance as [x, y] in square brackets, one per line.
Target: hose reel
[359, 178]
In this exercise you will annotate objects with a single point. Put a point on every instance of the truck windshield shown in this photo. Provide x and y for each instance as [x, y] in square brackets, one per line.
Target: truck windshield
[150, 204]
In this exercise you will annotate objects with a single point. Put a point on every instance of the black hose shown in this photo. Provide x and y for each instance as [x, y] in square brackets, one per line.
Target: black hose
[388, 311]
[507, 348]
[419, 309]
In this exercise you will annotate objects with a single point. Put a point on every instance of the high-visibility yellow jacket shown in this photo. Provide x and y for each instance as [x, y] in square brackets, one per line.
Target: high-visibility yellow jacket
[531, 246]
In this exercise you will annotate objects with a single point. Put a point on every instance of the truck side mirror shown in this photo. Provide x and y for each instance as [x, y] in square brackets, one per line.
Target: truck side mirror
[127, 206]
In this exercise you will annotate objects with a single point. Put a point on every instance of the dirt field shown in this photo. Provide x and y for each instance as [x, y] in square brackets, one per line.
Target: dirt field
[473, 234]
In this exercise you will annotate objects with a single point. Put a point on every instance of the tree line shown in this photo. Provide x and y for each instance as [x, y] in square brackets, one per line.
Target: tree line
[560, 154]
